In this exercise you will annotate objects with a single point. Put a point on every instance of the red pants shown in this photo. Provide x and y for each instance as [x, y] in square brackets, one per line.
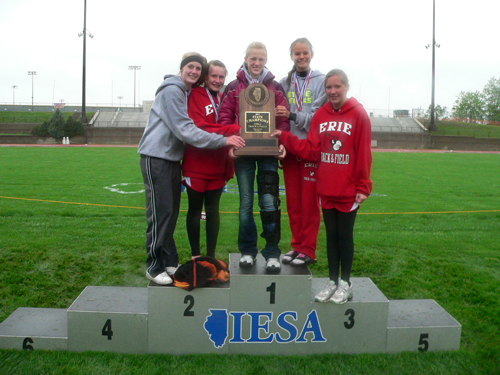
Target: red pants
[302, 204]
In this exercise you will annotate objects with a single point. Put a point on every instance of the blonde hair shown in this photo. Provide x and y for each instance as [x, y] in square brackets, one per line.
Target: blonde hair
[255, 45]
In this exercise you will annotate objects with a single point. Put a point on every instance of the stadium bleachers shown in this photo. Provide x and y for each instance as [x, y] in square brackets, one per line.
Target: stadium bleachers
[119, 119]
[396, 125]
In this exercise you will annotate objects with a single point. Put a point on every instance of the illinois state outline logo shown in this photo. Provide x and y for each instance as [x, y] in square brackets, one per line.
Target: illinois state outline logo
[217, 327]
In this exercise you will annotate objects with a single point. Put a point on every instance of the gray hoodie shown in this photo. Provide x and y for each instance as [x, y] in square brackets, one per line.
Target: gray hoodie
[169, 125]
[315, 97]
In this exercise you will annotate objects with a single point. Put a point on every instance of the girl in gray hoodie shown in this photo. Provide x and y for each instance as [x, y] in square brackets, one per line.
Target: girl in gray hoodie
[161, 149]
[305, 93]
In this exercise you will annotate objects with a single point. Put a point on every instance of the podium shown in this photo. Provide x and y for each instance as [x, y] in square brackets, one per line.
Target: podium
[35, 328]
[255, 313]
[113, 319]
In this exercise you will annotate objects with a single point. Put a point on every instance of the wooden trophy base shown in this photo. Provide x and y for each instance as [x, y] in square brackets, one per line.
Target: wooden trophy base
[259, 147]
[257, 121]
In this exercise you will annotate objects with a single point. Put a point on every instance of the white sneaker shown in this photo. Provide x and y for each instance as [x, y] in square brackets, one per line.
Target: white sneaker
[161, 279]
[247, 261]
[327, 292]
[343, 293]
[171, 270]
[273, 265]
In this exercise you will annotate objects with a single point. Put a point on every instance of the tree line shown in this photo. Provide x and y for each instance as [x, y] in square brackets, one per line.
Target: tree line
[475, 106]
[58, 127]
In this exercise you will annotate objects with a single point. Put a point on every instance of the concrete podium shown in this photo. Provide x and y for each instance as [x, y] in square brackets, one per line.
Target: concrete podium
[255, 313]
[112, 319]
[34, 329]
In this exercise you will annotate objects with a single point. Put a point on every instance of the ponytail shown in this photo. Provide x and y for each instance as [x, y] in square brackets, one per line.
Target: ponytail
[290, 74]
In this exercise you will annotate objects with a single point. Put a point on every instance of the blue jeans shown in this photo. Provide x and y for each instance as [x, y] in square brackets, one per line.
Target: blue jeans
[245, 168]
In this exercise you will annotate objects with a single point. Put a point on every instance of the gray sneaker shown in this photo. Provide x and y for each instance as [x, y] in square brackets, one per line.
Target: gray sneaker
[343, 293]
[247, 261]
[327, 292]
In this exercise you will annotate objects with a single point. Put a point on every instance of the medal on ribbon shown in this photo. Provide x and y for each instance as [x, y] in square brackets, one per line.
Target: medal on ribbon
[301, 89]
[215, 106]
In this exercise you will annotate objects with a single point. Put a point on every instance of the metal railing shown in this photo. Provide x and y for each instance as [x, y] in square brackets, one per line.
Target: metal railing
[394, 129]
[120, 124]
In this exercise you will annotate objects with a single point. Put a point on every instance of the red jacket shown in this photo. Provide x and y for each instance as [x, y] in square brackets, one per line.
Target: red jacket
[229, 110]
[207, 163]
[340, 142]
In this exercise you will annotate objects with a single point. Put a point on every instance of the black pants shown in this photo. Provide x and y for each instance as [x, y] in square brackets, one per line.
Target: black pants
[211, 198]
[339, 242]
[162, 182]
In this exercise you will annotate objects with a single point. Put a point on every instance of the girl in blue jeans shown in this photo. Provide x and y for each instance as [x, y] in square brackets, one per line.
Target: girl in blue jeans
[254, 70]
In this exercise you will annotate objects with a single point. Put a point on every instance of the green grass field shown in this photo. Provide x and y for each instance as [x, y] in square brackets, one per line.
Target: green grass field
[33, 117]
[430, 231]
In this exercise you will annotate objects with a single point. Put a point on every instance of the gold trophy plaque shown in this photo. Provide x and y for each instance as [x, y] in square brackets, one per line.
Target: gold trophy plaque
[257, 121]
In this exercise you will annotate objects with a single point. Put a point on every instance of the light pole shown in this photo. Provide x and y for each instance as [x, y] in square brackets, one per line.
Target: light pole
[135, 68]
[120, 99]
[84, 109]
[432, 125]
[84, 34]
[14, 87]
[32, 73]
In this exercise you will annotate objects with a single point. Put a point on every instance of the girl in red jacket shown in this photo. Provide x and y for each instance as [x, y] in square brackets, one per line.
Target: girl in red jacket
[205, 171]
[340, 141]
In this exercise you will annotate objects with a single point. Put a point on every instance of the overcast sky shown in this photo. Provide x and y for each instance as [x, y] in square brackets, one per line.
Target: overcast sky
[379, 44]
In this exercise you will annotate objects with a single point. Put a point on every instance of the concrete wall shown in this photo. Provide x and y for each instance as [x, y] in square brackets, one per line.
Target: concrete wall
[427, 141]
[34, 140]
[402, 140]
[132, 136]
[465, 143]
[119, 136]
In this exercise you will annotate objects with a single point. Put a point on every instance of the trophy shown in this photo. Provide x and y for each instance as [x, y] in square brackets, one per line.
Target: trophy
[257, 121]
